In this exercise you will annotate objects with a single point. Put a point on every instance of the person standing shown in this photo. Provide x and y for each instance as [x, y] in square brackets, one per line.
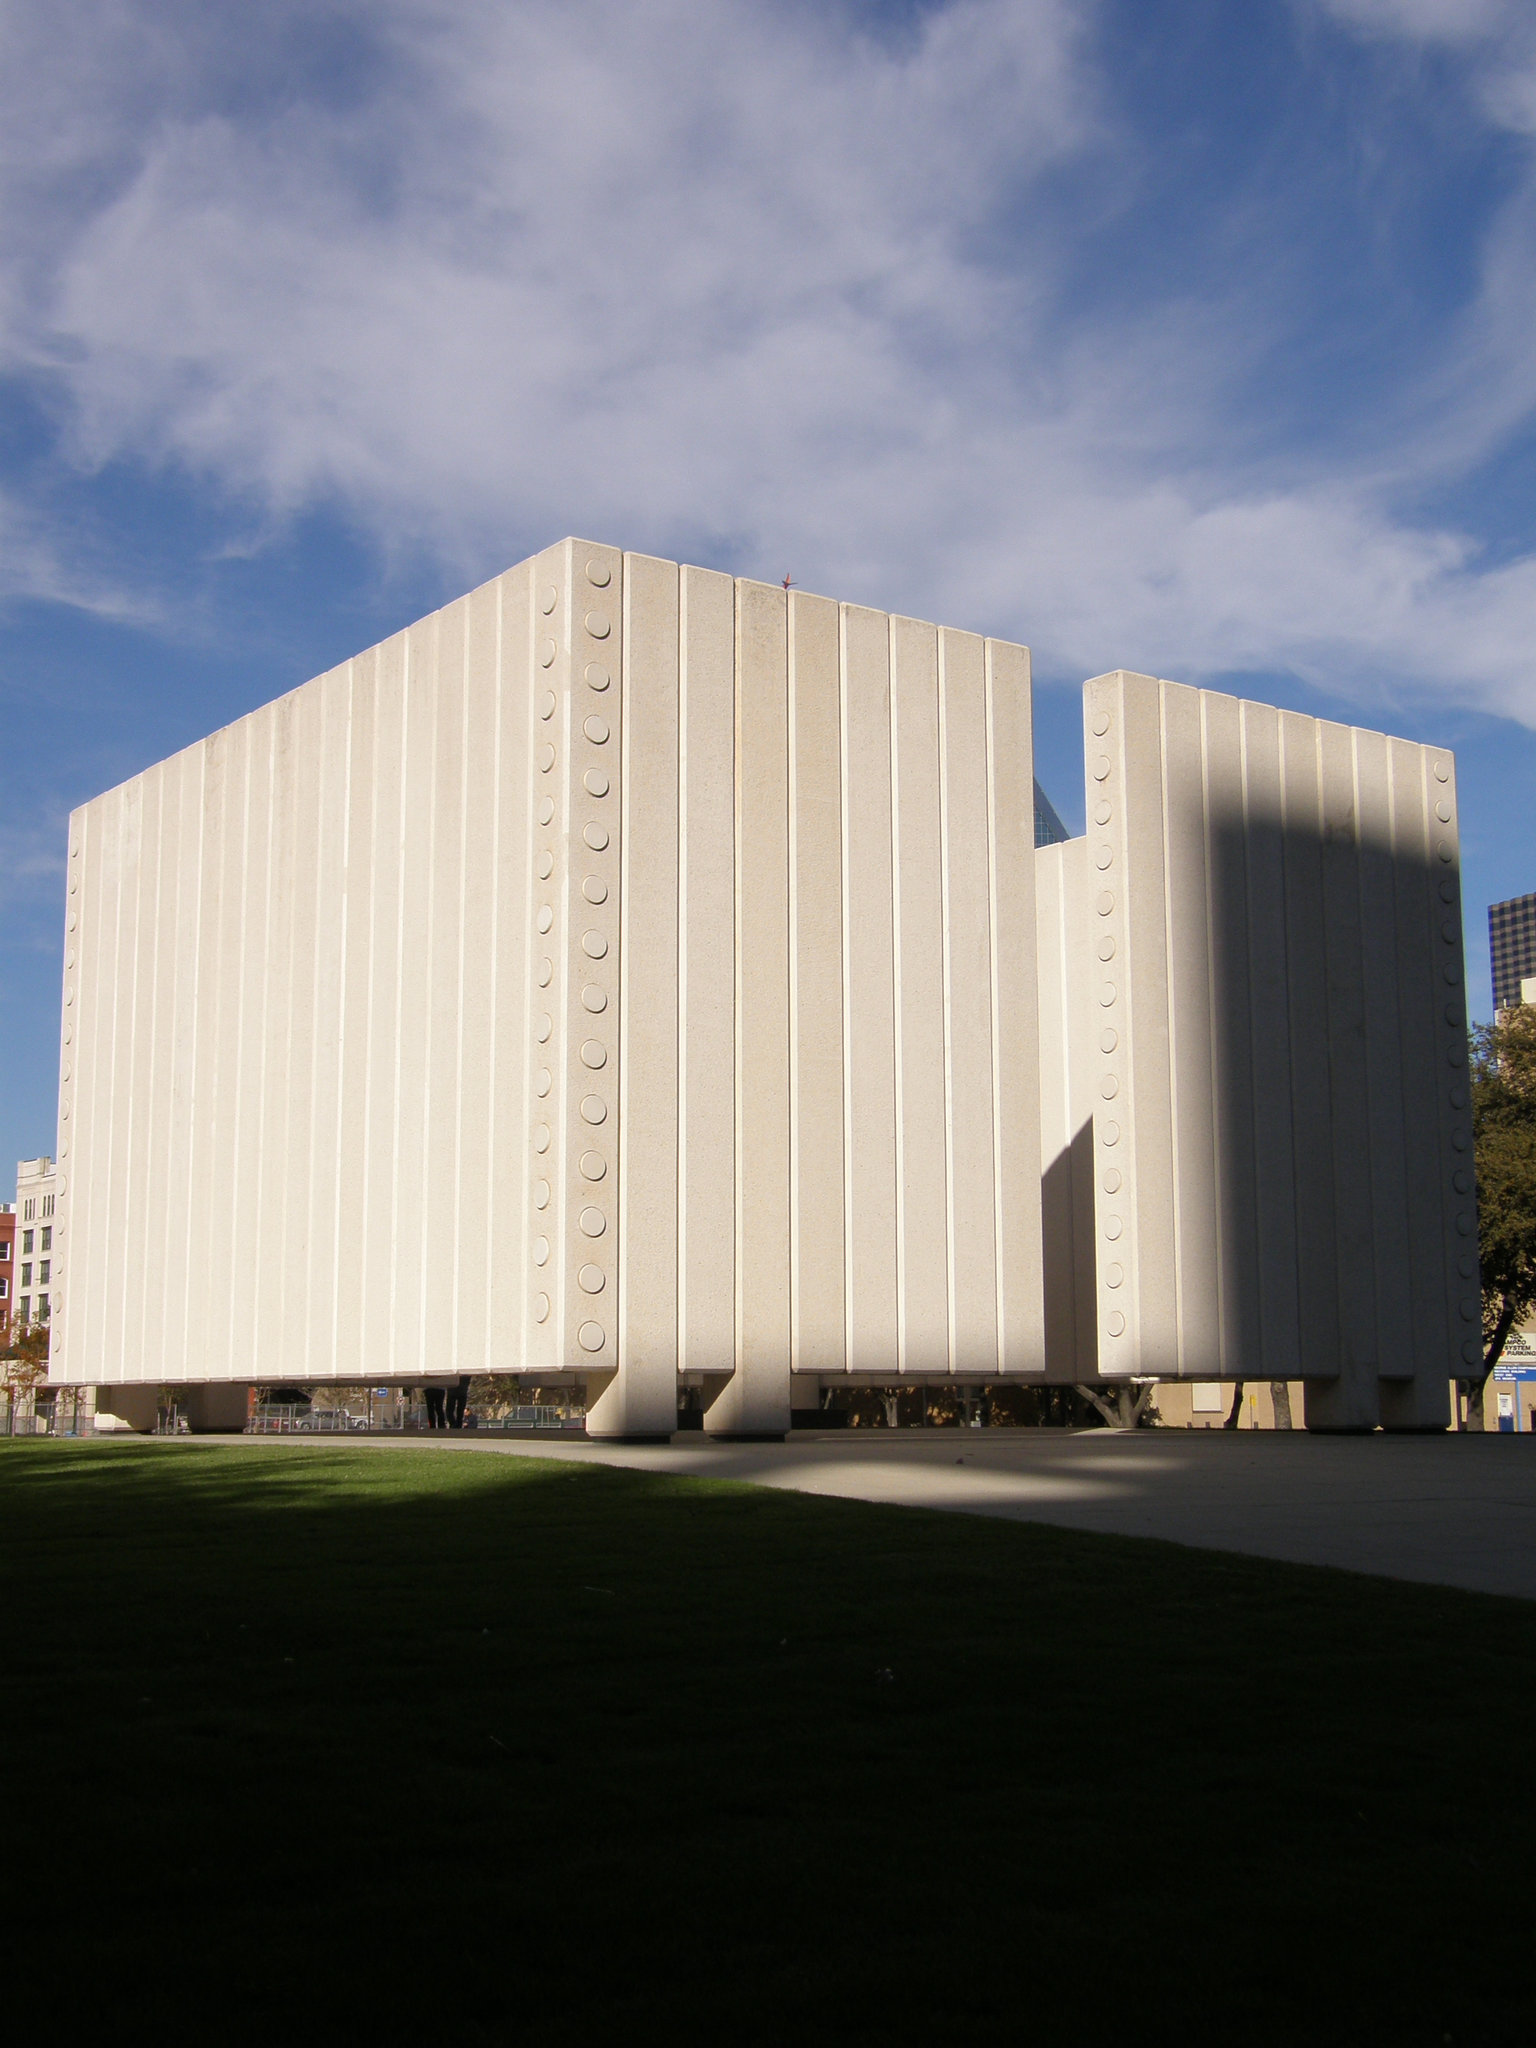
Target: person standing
[457, 1397]
[436, 1417]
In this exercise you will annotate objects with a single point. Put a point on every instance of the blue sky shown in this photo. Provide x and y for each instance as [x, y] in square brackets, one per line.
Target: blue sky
[1166, 334]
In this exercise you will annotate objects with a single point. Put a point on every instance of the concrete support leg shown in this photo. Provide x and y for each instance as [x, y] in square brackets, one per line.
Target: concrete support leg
[215, 1410]
[1349, 1402]
[1420, 1403]
[137, 1405]
[754, 1406]
[638, 1407]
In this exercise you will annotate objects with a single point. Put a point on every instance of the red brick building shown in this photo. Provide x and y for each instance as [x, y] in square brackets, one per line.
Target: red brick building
[7, 1267]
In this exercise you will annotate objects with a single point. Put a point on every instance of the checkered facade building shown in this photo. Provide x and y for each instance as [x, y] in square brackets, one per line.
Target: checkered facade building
[1512, 943]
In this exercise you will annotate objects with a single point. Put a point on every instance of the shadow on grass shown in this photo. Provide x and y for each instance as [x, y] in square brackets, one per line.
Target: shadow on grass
[471, 1746]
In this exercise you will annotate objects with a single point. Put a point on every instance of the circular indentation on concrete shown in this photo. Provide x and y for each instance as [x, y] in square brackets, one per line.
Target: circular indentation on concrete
[596, 730]
[1445, 850]
[1114, 1276]
[590, 1336]
[64, 1111]
[547, 653]
[1102, 813]
[1443, 811]
[1466, 1223]
[1109, 1038]
[594, 945]
[1104, 902]
[1459, 1139]
[1101, 769]
[541, 1194]
[1447, 889]
[1112, 1227]
[66, 1073]
[1102, 856]
[591, 1280]
[543, 1028]
[541, 1251]
[593, 1165]
[593, 999]
[68, 1034]
[547, 704]
[1472, 1354]
[1458, 1097]
[1469, 1306]
[1451, 972]
[69, 995]
[1442, 770]
[1462, 1183]
[1101, 723]
[598, 625]
[1110, 1135]
[594, 890]
[541, 1137]
[595, 782]
[1106, 947]
[546, 809]
[546, 758]
[1456, 1055]
[69, 957]
[592, 1054]
[599, 574]
[1466, 1265]
[598, 677]
[543, 1081]
[546, 917]
[541, 1308]
[546, 973]
[593, 1109]
[1453, 1013]
[1115, 1324]
[549, 597]
[73, 920]
[1106, 995]
[546, 865]
[1448, 931]
[596, 837]
[593, 1222]
[1111, 1181]
[1109, 1087]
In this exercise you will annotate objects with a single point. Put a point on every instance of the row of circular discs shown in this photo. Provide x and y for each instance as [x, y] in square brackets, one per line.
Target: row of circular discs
[1111, 1180]
[589, 839]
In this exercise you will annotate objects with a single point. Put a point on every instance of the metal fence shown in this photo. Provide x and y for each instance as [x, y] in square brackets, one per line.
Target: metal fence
[275, 1419]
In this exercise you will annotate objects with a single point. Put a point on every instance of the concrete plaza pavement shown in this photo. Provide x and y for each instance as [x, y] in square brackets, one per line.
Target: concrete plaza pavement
[1450, 1510]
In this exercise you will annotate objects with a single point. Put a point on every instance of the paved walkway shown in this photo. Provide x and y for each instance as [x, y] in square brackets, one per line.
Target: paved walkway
[1452, 1510]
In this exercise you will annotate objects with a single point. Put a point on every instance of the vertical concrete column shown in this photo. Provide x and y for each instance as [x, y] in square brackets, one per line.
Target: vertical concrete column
[755, 1400]
[869, 994]
[1015, 1015]
[817, 1221]
[706, 1134]
[589, 1058]
[922, 1207]
[1065, 926]
[642, 1399]
[969, 1093]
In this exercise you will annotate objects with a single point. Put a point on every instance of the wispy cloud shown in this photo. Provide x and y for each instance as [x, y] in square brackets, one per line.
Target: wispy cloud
[767, 282]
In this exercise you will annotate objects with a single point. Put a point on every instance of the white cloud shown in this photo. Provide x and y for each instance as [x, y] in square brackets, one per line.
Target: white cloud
[709, 276]
[1430, 21]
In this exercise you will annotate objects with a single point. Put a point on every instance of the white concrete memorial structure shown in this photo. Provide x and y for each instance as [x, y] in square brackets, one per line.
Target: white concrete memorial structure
[634, 973]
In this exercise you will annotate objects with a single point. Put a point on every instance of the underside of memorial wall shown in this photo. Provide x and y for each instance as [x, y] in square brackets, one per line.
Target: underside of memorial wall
[641, 974]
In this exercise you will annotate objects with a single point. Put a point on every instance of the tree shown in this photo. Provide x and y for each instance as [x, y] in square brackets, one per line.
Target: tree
[24, 1360]
[1126, 1405]
[1504, 1147]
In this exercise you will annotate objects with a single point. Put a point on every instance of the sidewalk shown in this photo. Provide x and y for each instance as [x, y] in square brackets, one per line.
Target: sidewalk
[1449, 1510]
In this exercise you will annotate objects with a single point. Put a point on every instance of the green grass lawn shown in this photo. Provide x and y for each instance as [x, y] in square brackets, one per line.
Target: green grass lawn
[340, 1744]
